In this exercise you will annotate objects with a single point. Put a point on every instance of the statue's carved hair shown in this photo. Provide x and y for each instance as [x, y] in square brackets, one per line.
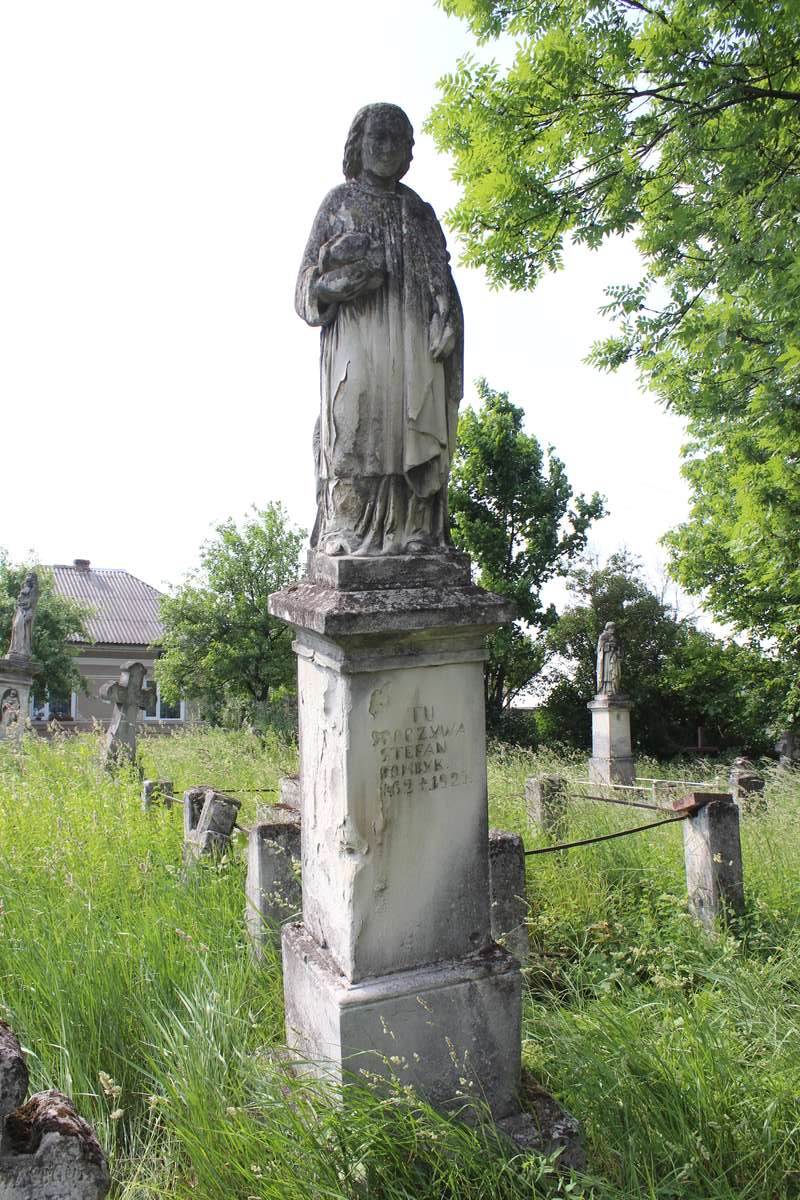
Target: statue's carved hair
[352, 149]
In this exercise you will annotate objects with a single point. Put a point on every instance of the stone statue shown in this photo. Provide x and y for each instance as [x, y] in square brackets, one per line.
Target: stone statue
[376, 278]
[22, 625]
[609, 661]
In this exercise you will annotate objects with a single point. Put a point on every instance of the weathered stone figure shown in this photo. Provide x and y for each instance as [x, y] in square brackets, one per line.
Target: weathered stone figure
[609, 662]
[21, 647]
[375, 276]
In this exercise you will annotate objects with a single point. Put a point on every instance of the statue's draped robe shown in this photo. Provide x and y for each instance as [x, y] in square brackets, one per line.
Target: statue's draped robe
[388, 410]
[609, 664]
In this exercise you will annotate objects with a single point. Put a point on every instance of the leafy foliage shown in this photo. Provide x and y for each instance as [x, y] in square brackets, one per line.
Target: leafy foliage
[58, 620]
[678, 677]
[515, 513]
[220, 644]
[679, 120]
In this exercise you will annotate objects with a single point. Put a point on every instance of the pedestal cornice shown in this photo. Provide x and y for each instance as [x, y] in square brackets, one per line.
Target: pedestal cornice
[342, 614]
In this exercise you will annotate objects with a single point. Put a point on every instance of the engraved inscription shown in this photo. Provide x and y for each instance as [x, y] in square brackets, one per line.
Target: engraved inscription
[423, 756]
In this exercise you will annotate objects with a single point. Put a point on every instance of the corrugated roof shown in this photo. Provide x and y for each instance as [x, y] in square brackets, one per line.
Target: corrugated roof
[125, 608]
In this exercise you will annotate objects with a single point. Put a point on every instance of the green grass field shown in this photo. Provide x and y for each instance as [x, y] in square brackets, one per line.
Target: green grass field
[132, 990]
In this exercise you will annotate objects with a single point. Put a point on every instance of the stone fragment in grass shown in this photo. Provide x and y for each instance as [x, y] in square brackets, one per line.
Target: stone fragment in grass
[156, 791]
[746, 785]
[212, 834]
[47, 1150]
[544, 1127]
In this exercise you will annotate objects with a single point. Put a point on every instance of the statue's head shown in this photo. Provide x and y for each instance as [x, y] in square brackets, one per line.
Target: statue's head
[610, 627]
[31, 585]
[380, 141]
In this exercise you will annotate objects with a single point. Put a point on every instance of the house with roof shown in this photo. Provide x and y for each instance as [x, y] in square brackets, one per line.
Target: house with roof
[125, 625]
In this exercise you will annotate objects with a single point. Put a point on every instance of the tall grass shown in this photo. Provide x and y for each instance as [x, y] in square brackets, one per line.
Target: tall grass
[132, 989]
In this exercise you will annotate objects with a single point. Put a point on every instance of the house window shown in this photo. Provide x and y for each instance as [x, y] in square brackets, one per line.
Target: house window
[55, 708]
[159, 710]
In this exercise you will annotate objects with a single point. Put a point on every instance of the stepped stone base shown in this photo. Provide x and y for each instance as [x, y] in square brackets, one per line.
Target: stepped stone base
[450, 1030]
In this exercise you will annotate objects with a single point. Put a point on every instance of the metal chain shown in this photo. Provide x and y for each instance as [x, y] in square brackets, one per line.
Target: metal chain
[606, 837]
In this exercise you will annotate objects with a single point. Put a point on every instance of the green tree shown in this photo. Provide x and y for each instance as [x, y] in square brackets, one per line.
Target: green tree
[679, 677]
[678, 120]
[514, 512]
[59, 623]
[220, 645]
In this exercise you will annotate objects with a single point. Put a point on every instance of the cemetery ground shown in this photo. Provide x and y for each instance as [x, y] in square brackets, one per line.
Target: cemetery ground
[132, 990]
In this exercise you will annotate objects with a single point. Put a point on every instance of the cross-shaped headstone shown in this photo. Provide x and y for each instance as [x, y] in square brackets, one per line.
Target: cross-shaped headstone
[128, 694]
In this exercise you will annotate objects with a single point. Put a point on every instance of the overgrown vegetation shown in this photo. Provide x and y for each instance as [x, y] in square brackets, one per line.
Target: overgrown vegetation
[133, 990]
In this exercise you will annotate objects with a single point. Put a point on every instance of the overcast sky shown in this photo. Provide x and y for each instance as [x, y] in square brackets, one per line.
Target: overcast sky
[162, 163]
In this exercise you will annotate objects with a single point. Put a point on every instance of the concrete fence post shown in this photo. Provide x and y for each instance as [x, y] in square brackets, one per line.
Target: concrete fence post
[507, 903]
[273, 891]
[713, 854]
[546, 804]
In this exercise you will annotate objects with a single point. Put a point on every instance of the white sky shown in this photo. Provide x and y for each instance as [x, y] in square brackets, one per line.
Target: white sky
[162, 163]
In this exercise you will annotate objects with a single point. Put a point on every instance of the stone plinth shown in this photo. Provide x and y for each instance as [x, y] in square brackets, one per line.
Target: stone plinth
[16, 680]
[612, 756]
[395, 837]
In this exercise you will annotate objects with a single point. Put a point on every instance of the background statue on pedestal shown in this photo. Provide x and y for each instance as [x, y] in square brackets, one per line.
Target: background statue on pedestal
[21, 646]
[609, 662]
[376, 277]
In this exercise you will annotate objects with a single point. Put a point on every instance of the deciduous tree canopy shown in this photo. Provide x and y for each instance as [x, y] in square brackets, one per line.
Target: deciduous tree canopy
[513, 510]
[220, 644]
[679, 121]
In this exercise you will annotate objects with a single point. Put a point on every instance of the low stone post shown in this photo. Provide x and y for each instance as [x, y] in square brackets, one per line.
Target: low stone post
[47, 1151]
[747, 786]
[713, 852]
[546, 804]
[508, 907]
[156, 791]
[289, 786]
[212, 834]
[273, 890]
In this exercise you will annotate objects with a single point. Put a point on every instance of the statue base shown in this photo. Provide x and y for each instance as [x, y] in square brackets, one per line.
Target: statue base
[612, 755]
[354, 573]
[393, 969]
[16, 676]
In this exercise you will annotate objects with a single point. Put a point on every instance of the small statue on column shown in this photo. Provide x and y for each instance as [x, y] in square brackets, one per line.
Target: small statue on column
[21, 647]
[609, 662]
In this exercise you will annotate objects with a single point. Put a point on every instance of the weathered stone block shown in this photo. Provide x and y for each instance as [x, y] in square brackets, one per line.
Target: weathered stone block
[508, 905]
[157, 791]
[212, 833]
[289, 790]
[273, 891]
[546, 804]
[13, 1072]
[47, 1151]
[747, 786]
[450, 1030]
[713, 853]
[193, 800]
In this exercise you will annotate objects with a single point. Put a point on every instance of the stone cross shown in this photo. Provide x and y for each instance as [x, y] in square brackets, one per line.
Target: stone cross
[128, 694]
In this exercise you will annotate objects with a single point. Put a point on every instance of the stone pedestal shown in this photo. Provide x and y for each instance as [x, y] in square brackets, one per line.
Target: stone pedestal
[612, 756]
[393, 969]
[16, 680]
